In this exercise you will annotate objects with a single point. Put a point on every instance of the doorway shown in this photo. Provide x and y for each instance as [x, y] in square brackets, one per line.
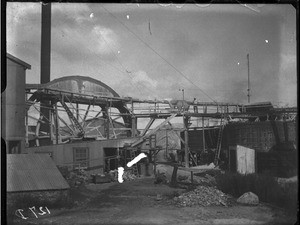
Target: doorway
[111, 159]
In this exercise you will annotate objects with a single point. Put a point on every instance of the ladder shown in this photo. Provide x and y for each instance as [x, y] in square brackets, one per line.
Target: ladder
[134, 167]
[219, 142]
[193, 159]
[71, 116]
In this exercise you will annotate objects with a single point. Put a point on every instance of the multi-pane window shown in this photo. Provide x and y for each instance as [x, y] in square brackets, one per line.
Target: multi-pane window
[81, 157]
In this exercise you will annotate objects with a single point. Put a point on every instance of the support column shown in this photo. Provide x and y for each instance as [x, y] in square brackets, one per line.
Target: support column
[107, 122]
[26, 131]
[167, 150]
[133, 121]
[56, 123]
[50, 125]
[134, 126]
[203, 134]
[186, 142]
[77, 112]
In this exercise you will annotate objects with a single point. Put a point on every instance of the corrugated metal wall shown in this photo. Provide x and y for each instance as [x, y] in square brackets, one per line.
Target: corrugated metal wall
[258, 135]
[33, 172]
[196, 139]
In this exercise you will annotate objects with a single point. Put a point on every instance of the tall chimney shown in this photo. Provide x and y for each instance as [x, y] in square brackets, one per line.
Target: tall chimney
[45, 43]
[45, 68]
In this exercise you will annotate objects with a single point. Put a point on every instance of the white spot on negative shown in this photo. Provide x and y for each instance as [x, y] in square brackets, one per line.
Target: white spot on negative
[120, 174]
[127, 17]
[136, 159]
[92, 15]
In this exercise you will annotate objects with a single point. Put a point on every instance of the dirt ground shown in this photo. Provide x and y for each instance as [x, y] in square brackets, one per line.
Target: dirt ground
[143, 202]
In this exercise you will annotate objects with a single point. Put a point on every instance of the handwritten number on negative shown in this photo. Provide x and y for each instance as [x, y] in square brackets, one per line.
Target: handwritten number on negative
[33, 211]
[43, 212]
[22, 216]
[19, 213]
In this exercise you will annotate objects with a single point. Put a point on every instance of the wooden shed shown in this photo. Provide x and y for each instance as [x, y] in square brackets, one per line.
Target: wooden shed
[241, 159]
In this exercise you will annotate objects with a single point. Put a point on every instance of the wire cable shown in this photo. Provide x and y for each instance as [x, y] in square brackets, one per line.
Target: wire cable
[159, 54]
[124, 69]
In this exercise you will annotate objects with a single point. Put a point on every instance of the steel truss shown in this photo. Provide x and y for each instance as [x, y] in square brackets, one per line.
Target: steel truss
[68, 120]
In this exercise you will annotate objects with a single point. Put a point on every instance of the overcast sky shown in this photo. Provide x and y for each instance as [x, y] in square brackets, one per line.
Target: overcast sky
[151, 51]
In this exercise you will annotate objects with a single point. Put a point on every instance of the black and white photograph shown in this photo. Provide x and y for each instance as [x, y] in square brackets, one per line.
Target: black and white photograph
[149, 113]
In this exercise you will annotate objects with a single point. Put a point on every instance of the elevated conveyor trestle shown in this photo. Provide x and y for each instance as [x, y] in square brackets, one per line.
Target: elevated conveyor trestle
[147, 135]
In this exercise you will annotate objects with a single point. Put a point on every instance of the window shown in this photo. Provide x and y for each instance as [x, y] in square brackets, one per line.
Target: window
[81, 157]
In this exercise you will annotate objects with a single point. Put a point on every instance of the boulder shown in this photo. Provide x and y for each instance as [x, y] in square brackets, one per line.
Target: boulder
[248, 198]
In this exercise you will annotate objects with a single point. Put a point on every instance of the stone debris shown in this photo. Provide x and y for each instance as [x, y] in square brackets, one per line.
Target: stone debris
[77, 178]
[158, 197]
[210, 180]
[128, 175]
[113, 175]
[203, 196]
[161, 178]
[248, 198]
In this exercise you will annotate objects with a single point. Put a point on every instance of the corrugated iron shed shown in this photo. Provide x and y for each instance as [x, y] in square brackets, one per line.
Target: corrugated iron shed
[33, 172]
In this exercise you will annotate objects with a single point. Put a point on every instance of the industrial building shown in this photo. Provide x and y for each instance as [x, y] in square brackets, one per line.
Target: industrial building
[81, 122]
[13, 105]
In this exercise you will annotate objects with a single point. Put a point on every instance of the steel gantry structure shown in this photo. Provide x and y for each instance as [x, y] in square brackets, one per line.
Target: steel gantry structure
[92, 110]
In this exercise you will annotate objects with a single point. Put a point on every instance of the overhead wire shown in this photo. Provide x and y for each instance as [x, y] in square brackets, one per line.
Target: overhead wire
[124, 71]
[121, 64]
[164, 59]
[101, 61]
[128, 72]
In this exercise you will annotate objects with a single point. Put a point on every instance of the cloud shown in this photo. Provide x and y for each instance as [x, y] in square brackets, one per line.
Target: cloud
[21, 18]
[78, 12]
[182, 44]
[91, 41]
[187, 7]
[287, 63]
[141, 78]
[76, 34]
[137, 85]
[17, 12]
[287, 79]
[105, 39]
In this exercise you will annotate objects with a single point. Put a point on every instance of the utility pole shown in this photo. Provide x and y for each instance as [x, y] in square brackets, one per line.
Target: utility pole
[248, 90]
[182, 93]
[186, 134]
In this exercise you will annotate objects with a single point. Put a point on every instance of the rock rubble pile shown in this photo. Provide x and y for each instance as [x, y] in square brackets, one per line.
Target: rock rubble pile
[77, 178]
[128, 175]
[203, 196]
